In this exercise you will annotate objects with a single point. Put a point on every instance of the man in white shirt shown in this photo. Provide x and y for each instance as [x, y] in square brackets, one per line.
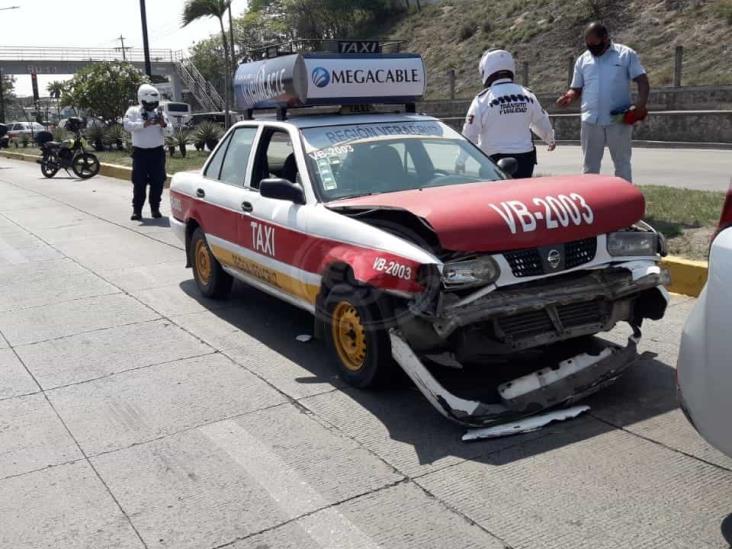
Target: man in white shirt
[502, 116]
[148, 126]
[602, 77]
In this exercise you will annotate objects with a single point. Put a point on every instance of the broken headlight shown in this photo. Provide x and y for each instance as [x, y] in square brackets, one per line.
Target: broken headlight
[470, 272]
[627, 243]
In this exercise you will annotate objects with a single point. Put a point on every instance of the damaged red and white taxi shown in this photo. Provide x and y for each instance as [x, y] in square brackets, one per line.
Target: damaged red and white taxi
[406, 260]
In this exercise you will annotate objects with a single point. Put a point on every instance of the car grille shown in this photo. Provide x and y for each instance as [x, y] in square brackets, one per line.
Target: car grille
[579, 252]
[525, 325]
[533, 323]
[525, 263]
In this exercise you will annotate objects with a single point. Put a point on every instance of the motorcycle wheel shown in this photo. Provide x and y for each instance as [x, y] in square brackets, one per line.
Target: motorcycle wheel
[48, 167]
[85, 165]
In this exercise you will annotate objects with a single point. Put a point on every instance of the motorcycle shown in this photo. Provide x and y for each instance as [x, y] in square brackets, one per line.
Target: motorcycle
[67, 154]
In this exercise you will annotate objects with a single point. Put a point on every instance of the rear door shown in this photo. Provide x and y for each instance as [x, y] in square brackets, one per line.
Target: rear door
[220, 191]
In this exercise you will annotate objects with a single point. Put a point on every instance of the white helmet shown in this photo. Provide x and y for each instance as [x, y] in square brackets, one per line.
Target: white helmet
[494, 61]
[148, 96]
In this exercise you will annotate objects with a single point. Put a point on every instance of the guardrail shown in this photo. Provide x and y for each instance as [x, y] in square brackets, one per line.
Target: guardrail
[22, 53]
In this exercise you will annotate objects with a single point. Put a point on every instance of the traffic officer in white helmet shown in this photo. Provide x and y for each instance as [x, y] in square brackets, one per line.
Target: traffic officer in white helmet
[148, 125]
[502, 116]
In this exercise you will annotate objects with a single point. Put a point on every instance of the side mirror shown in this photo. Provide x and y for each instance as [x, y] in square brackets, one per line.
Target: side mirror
[281, 189]
[508, 165]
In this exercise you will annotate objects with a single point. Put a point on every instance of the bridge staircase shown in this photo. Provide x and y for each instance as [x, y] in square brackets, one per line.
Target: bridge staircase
[205, 93]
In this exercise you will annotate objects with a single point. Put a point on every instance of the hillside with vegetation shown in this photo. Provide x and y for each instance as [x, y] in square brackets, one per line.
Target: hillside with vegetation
[452, 34]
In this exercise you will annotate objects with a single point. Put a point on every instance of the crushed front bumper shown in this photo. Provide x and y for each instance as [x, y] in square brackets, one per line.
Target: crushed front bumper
[570, 381]
[609, 285]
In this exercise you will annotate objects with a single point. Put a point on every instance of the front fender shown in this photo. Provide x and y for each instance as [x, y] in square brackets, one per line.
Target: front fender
[378, 269]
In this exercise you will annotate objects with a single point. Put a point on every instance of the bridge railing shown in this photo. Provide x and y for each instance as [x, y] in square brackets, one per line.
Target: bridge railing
[20, 53]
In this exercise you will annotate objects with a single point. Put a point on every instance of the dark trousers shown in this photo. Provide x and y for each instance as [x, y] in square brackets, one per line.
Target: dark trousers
[148, 168]
[526, 162]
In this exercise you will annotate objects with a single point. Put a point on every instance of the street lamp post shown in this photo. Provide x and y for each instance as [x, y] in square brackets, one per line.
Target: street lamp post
[145, 44]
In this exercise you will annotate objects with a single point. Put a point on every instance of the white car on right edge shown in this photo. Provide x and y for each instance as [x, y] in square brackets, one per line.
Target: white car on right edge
[704, 372]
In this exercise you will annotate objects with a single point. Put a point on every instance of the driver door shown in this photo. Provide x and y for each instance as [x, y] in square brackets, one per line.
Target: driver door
[275, 231]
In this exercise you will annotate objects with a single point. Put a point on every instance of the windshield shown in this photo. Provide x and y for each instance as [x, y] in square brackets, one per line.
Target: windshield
[357, 160]
[178, 107]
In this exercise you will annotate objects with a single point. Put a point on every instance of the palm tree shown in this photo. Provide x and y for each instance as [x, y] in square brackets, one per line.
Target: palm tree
[55, 89]
[196, 9]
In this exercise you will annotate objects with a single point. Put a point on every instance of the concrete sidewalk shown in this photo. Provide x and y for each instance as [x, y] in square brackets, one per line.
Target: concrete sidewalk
[134, 413]
[701, 169]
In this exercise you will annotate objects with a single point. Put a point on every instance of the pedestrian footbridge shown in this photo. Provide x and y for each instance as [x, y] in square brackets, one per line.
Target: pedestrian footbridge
[173, 64]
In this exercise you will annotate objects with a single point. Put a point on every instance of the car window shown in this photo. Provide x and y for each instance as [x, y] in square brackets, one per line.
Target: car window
[276, 158]
[442, 156]
[234, 167]
[214, 166]
[361, 159]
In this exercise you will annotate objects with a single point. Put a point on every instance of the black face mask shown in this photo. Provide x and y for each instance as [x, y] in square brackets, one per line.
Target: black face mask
[598, 49]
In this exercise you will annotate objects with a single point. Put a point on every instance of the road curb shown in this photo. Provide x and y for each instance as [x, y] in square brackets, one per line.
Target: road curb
[687, 276]
[108, 170]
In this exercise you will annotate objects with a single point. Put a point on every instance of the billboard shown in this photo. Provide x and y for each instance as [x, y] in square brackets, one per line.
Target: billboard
[329, 79]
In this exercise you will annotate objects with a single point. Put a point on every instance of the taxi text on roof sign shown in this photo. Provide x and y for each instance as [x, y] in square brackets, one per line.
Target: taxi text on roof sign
[326, 79]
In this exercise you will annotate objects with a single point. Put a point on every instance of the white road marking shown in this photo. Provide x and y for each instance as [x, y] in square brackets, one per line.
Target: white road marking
[328, 528]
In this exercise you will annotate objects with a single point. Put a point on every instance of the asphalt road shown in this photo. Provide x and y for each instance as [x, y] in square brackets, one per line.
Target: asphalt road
[133, 413]
[701, 169]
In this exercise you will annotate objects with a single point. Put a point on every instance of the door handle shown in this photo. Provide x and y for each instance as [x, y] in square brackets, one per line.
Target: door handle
[247, 206]
[200, 193]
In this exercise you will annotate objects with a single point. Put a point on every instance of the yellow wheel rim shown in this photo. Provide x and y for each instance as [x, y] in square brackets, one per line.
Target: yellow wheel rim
[349, 336]
[203, 262]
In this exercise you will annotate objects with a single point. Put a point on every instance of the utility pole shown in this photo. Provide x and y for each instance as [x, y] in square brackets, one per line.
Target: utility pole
[123, 48]
[2, 99]
[145, 44]
[231, 41]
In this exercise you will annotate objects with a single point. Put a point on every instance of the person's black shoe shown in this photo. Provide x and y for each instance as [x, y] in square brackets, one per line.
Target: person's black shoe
[156, 213]
[136, 216]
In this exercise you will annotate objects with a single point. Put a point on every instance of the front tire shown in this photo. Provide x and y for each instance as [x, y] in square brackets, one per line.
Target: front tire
[210, 277]
[85, 165]
[357, 337]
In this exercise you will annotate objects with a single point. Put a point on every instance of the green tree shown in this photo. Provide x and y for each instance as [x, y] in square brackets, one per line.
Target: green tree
[207, 56]
[7, 82]
[321, 19]
[196, 9]
[105, 89]
[55, 89]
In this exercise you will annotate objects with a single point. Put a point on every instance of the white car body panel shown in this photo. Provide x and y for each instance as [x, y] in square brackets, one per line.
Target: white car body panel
[705, 357]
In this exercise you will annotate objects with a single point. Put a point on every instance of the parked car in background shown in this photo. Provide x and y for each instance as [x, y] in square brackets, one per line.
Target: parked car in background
[704, 371]
[178, 113]
[17, 129]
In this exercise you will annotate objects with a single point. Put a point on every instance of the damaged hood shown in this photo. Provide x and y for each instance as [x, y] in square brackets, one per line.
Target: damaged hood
[503, 215]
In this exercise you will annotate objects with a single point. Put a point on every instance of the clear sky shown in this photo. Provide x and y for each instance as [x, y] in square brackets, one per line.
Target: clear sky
[97, 24]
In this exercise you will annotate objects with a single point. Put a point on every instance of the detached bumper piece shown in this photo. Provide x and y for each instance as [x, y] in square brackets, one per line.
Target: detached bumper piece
[527, 425]
[550, 387]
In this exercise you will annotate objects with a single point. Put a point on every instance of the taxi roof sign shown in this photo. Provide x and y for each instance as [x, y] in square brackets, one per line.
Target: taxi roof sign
[309, 79]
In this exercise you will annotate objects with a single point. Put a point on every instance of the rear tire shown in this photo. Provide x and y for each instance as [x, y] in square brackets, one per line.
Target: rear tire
[357, 337]
[210, 277]
[48, 168]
